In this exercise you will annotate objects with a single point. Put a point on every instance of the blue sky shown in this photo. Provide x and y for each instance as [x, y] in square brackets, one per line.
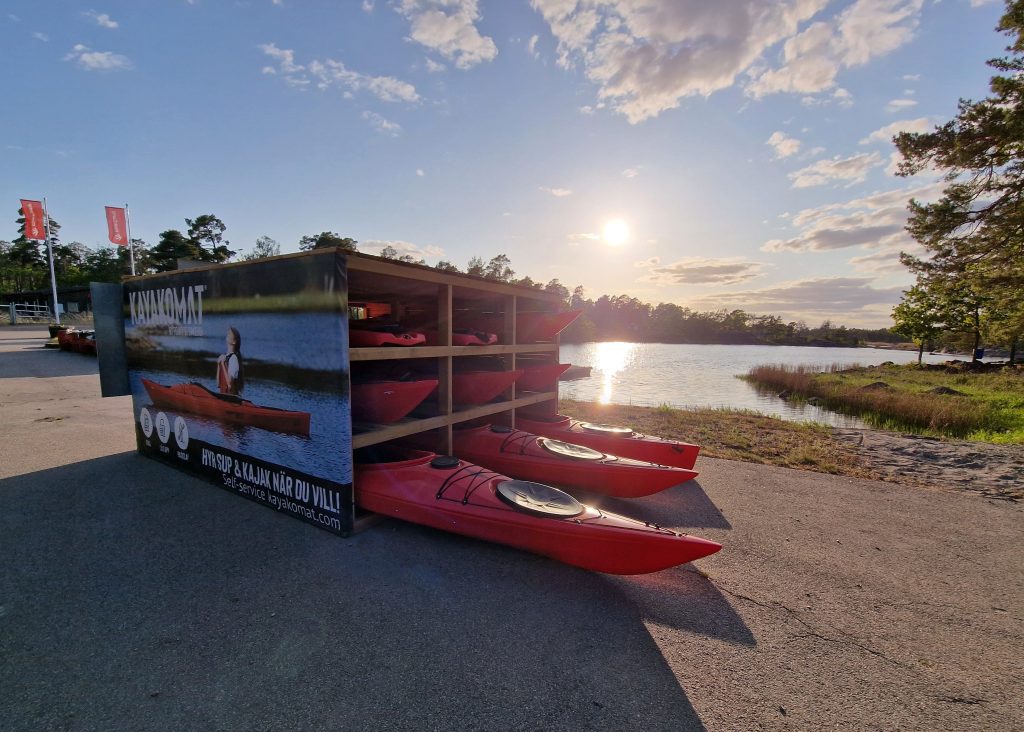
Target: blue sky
[744, 143]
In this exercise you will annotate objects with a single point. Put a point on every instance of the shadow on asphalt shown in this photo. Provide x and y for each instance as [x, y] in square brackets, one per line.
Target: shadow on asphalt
[143, 598]
[45, 362]
[682, 506]
[684, 599]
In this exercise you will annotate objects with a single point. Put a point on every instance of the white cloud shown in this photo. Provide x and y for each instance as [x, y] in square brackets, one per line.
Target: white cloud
[812, 59]
[783, 144]
[382, 125]
[850, 170]
[420, 173]
[631, 172]
[897, 105]
[885, 134]
[41, 36]
[98, 60]
[556, 192]
[329, 73]
[531, 46]
[448, 27]
[702, 271]
[848, 299]
[576, 239]
[375, 246]
[646, 56]
[885, 262]
[843, 98]
[434, 67]
[101, 19]
[368, 6]
[875, 222]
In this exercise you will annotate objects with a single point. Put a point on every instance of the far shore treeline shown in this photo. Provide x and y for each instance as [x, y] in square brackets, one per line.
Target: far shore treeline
[23, 268]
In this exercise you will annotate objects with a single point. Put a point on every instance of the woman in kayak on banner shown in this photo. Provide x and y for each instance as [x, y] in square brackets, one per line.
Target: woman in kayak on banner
[230, 378]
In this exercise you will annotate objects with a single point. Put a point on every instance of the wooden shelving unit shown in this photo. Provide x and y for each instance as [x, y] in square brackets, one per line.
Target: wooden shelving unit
[424, 298]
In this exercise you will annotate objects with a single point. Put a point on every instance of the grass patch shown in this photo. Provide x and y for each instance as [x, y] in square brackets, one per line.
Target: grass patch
[733, 435]
[942, 401]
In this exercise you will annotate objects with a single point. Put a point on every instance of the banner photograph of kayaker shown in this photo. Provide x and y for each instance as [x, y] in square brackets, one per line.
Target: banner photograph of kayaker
[240, 372]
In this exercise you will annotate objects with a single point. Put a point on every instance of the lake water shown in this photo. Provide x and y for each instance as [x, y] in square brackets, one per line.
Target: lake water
[685, 375]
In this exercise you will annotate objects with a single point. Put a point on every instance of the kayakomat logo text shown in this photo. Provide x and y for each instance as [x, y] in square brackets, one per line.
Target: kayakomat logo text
[179, 309]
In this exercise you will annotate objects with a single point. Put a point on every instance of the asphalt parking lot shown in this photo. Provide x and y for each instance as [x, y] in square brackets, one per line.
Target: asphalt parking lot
[136, 597]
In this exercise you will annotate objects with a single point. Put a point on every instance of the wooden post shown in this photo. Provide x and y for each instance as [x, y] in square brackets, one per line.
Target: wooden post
[444, 364]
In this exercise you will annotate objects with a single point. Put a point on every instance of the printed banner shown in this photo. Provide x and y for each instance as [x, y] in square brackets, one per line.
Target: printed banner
[35, 224]
[239, 373]
[117, 226]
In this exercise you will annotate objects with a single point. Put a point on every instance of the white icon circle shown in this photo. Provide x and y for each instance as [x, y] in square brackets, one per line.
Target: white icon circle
[163, 427]
[181, 433]
[147, 422]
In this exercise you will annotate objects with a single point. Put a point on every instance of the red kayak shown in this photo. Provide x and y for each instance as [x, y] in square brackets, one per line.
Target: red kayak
[531, 326]
[358, 338]
[480, 387]
[197, 399]
[79, 341]
[612, 438]
[541, 378]
[465, 337]
[529, 457]
[453, 495]
[388, 401]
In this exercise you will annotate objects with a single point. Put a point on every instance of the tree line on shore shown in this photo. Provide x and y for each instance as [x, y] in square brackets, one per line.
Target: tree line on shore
[23, 267]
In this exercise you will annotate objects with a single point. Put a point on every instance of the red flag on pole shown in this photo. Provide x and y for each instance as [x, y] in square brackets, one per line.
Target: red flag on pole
[117, 227]
[35, 220]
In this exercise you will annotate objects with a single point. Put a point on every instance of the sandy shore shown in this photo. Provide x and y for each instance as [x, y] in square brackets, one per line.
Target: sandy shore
[135, 597]
[994, 471]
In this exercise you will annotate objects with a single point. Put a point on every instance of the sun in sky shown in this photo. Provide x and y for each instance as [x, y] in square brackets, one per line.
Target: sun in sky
[616, 232]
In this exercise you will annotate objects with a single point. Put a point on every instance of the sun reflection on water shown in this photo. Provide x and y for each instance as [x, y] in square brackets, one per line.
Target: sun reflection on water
[609, 359]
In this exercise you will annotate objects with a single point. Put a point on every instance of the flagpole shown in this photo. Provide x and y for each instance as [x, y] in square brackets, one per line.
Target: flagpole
[53, 276]
[131, 247]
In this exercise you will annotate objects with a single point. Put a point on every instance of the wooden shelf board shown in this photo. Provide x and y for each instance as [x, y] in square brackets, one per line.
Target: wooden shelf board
[391, 353]
[414, 426]
[467, 286]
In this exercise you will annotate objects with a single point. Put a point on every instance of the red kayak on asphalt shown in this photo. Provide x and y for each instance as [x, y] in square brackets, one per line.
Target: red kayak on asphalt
[197, 399]
[465, 337]
[612, 438]
[530, 457]
[480, 387]
[386, 336]
[388, 401]
[531, 326]
[450, 494]
[541, 378]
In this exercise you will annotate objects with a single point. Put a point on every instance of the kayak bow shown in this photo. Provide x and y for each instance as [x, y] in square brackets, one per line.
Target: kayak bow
[612, 438]
[529, 457]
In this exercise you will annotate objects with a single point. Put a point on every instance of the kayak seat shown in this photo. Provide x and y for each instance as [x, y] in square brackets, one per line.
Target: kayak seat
[538, 499]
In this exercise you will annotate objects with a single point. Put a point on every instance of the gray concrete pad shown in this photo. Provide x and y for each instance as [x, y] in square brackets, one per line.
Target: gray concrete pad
[136, 597]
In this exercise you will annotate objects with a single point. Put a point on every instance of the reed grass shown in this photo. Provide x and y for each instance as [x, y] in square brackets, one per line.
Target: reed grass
[989, 406]
[734, 435]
